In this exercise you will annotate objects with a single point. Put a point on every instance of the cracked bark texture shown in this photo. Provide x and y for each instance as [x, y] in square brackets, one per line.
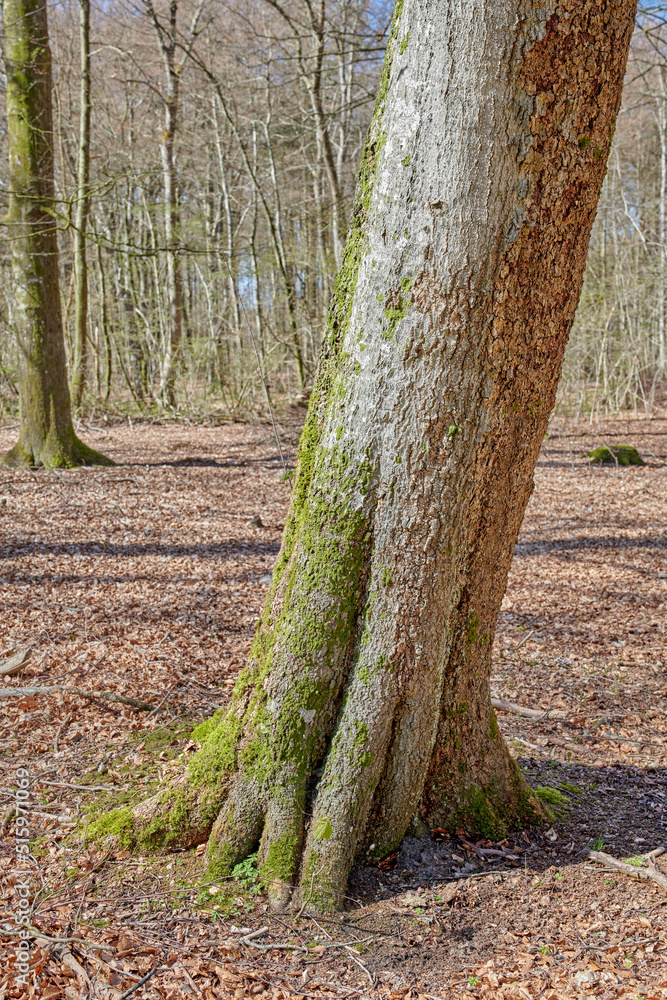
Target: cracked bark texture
[365, 703]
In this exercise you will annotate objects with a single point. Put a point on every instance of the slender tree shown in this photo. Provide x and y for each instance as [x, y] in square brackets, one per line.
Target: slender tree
[80, 345]
[365, 704]
[167, 35]
[46, 434]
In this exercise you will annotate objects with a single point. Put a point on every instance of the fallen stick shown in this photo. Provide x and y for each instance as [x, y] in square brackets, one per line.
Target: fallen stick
[12, 666]
[254, 934]
[525, 713]
[525, 639]
[645, 874]
[22, 692]
[361, 965]
[135, 987]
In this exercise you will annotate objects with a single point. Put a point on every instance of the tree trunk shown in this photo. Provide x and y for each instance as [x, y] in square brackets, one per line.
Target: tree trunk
[80, 343]
[171, 231]
[365, 702]
[46, 434]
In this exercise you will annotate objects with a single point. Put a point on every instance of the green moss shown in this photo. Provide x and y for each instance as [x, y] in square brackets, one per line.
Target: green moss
[620, 455]
[396, 307]
[217, 757]
[222, 858]
[406, 160]
[481, 811]
[201, 732]
[494, 731]
[362, 733]
[282, 859]
[364, 674]
[404, 43]
[472, 628]
[584, 141]
[556, 802]
[117, 825]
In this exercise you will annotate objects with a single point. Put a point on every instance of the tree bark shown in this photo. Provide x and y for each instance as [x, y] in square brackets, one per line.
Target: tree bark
[80, 340]
[365, 703]
[167, 41]
[46, 434]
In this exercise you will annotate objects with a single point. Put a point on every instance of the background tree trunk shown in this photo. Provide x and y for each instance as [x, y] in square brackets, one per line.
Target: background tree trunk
[365, 702]
[46, 433]
[80, 340]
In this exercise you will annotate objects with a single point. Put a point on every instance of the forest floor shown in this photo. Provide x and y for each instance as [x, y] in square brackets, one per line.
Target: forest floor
[145, 580]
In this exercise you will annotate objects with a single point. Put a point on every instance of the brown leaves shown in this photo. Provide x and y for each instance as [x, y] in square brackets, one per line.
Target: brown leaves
[171, 613]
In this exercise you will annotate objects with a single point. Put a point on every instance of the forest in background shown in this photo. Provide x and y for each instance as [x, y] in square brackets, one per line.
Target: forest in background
[223, 141]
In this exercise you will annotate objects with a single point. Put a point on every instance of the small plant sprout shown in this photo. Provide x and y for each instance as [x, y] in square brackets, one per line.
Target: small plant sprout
[474, 980]
[323, 829]
[635, 862]
[247, 874]
[597, 845]
[544, 948]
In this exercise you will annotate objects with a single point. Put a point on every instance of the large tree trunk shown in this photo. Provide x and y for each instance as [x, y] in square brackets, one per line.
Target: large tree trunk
[365, 702]
[46, 433]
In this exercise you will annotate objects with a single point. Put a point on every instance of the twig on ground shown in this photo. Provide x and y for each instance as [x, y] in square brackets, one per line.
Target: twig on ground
[80, 788]
[650, 874]
[42, 938]
[254, 934]
[525, 713]
[12, 666]
[62, 725]
[347, 990]
[189, 978]
[319, 926]
[278, 945]
[361, 965]
[281, 946]
[22, 692]
[114, 968]
[144, 979]
[158, 707]
[525, 639]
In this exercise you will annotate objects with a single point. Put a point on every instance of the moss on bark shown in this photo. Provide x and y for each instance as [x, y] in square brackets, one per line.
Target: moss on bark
[46, 435]
[372, 655]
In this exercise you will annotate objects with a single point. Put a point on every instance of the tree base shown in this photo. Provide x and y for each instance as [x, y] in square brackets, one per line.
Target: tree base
[54, 455]
[299, 867]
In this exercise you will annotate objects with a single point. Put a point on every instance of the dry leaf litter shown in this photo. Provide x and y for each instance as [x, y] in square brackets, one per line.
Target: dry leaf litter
[145, 581]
